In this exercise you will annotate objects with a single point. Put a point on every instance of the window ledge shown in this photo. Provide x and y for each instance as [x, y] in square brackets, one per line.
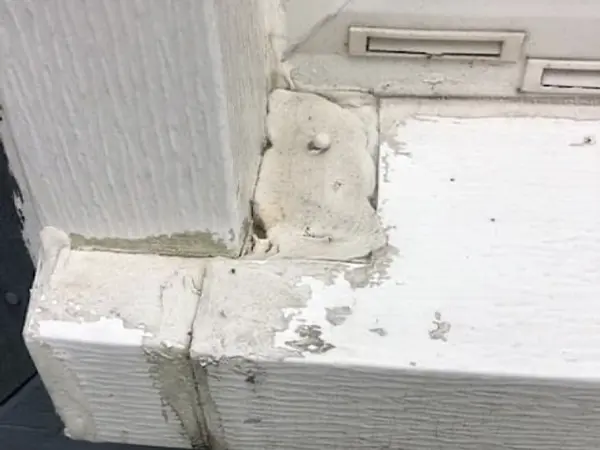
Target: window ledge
[477, 320]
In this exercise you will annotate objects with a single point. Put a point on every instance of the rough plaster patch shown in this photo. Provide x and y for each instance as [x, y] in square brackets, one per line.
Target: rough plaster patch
[192, 244]
[395, 77]
[365, 107]
[209, 419]
[317, 206]
[167, 352]
[172, 376]
[242, 307]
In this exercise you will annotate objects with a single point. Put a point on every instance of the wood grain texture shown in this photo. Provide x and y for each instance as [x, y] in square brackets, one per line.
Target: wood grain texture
[299, 406]
[137, 119]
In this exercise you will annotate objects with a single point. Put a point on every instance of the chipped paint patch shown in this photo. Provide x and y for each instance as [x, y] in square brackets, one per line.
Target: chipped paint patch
[375, 271]
[310, 340]
[318, 205]
[456, 240]
[244, 304]
[441, 330]
[337, 315]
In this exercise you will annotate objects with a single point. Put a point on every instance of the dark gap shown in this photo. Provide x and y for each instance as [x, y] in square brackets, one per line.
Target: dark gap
[591, 88]
[267, 144]
[16, 278]
[258, 226]
[436, 55]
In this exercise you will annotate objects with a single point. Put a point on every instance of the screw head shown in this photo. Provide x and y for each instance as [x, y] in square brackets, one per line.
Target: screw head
[319, 143]
[11, 298]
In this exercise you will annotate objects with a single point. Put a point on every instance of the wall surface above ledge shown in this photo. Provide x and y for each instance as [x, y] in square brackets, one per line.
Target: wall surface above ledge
[317, 36]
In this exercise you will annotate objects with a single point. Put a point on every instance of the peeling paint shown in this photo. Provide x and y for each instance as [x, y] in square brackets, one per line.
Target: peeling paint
[239, 312]
[441, 330]
[337, 315]
[375, 271]
[213, 435]
[310, 340]
[380, 331]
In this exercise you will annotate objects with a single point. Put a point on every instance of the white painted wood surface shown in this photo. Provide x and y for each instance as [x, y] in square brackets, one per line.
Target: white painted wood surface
[138, 124]
[519, 364]
[108, 333]
[317, 35]
[476, 328]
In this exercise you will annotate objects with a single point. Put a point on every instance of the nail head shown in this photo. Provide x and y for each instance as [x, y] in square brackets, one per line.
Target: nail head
[11, 298]
[320, 142]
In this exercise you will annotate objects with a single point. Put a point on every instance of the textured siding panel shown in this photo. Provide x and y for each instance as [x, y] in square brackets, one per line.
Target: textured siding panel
[121, 117]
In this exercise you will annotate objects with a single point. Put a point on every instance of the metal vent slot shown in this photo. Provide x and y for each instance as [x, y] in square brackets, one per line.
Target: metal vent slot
[558, 76]
[435, 47]
[443, 44]
[569, 79]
